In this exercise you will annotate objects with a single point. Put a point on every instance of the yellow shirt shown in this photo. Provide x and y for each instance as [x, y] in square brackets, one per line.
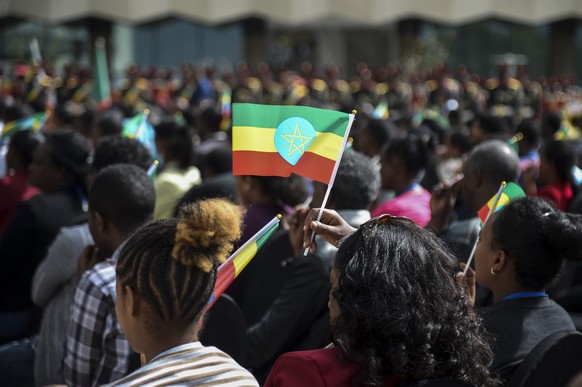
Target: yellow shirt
[171, 184]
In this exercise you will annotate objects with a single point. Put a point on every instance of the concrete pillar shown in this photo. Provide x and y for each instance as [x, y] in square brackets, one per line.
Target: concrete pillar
[331, 48]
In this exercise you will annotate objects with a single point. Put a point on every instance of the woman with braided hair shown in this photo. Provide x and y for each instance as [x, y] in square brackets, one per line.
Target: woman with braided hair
[165, 275]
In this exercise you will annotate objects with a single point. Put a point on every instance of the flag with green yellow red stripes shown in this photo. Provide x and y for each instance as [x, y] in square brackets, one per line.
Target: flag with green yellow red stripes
[273, 140]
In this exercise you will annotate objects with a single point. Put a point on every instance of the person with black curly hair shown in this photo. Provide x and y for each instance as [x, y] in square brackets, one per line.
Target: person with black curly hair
[165, 276]
[520, 252]
[397, 312]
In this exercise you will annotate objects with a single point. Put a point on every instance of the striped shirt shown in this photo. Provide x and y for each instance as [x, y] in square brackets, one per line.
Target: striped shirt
[190, 365]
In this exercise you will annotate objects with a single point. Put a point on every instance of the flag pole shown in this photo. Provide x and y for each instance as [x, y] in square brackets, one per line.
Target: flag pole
[333, 174]
[152, 169]
[491, 211]
[142, 122]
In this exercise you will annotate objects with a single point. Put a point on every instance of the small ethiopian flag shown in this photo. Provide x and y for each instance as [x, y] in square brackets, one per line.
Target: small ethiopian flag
[508, 193]
[233, 266]
[33, 122]
[272, 140]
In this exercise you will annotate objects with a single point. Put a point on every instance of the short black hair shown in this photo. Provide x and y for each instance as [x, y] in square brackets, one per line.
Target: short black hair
[357, 182]
[120, 150]
[492, 125]
[25, 143]
[69, 149]
[109, 122]
[562, 155]
[124, 194]
[531, 132]
[220, 160]
[412, 150]
[212, 117]
[381, 131]
[178, 138]
[552, 121]
[290, 190]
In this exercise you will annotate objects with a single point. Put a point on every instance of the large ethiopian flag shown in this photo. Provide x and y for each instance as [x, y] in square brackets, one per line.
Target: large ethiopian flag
[272, 140]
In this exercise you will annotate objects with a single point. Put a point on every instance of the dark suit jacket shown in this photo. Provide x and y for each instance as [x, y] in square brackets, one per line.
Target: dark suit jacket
[25, 243]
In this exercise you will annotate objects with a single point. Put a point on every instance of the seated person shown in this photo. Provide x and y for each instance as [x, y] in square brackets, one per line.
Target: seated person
[177, 176]
[122, 199]
[397, 313]
[402, 164]
[165, 276]
[14, 187]
[520, 252]
[59, 168]
[557, 161]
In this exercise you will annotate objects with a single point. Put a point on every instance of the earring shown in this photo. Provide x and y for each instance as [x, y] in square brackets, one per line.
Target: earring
[493, 272]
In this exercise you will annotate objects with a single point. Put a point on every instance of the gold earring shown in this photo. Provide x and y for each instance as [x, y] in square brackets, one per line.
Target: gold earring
[493, 272]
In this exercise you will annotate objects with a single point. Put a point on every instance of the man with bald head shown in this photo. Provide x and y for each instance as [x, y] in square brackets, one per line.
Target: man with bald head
[488, 164]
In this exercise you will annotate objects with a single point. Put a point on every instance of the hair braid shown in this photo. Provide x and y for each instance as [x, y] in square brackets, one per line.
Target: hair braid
[172, 263]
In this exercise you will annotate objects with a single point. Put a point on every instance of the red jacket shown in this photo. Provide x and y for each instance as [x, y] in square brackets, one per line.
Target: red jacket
[320, 367]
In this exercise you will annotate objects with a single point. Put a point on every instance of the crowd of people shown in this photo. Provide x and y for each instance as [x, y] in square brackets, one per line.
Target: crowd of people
[109, 244]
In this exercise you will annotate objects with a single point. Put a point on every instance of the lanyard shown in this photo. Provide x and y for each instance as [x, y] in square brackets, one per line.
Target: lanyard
[524, 295]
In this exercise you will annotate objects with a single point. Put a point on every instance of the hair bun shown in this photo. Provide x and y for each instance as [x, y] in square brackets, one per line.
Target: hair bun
[206, 233]
[561, 232]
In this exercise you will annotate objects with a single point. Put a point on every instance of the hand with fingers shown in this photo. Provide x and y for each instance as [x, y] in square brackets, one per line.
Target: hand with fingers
[331, 227]
[530, 175]
[295, 223]
[442, 201]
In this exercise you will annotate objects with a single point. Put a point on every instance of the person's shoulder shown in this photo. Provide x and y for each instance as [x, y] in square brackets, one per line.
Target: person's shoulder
[99, 279]
[320, 367]
[75, 231]
[320, 356]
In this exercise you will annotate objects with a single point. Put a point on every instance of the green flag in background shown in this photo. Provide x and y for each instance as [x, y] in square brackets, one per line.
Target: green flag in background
[102, 88]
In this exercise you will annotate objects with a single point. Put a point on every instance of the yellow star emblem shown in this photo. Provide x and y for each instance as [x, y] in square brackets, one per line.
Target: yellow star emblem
[297, 141]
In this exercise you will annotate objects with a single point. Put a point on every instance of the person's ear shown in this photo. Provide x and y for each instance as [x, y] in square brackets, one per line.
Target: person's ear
[132, 301]
[500, 260]
[100, 222]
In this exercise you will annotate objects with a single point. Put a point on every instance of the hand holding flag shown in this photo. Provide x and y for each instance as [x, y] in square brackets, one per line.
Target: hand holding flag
[280, 140]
